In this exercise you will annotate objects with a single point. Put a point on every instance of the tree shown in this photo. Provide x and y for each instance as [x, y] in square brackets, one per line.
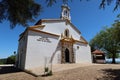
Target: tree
[108, 2]
[11, 59]
[103, 3]
[108, 41]
[51, 2]
[20, 12]
[3, 61]
[117, 28]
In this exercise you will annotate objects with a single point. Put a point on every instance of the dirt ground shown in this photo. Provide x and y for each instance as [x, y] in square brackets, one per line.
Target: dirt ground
[92, 72]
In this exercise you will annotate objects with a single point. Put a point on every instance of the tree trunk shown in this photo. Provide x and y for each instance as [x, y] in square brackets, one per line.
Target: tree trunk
[113, 58]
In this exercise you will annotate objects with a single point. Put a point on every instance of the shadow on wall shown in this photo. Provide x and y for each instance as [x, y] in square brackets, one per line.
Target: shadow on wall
[110, 74]
[8, 69]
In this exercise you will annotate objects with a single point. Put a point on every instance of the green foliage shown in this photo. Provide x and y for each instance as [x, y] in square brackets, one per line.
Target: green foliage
[19, 11]
[108, 2]
[11, 59]
[103, 3]
[50, 73]
[3, 61]
[51, 2]
[46, 69]
[109, 55]
[99, 40]
[108, 40]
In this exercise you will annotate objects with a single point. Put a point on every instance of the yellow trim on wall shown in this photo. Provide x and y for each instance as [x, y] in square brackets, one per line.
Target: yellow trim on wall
[37, 26]
[55, 20]
[42, 32]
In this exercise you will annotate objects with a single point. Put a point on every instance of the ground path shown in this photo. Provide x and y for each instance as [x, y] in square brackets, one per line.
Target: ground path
[89, 72]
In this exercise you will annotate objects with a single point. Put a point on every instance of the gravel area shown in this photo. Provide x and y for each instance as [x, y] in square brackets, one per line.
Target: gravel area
[58, 67]
[92, 72]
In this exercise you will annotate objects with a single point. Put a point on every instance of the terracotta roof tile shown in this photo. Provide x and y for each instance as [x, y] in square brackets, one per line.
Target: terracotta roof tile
[97, 52]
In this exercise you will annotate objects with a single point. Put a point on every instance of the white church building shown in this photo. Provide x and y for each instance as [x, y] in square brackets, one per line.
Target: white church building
[56, 39]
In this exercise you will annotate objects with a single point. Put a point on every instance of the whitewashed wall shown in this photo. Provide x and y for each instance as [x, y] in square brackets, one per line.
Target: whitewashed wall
[37, 51]
[21, 55]
[59, 27]
[83, 53]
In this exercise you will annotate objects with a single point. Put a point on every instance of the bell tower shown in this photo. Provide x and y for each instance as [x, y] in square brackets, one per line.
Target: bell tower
[65, 12]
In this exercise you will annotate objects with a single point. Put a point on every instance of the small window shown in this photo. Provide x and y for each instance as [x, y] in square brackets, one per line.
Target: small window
[77, 47]
[65, 13]
[67, 33]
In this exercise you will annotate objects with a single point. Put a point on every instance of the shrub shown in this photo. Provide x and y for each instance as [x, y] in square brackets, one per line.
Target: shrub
[11, 59]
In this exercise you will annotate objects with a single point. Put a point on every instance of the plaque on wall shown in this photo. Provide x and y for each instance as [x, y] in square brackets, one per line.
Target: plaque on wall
[44, 39]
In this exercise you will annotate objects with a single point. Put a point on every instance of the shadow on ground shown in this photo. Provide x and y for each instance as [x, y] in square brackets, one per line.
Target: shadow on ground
[110, 74]
[8, 69]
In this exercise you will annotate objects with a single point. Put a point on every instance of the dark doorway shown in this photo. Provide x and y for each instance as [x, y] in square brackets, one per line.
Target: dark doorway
[67, 55]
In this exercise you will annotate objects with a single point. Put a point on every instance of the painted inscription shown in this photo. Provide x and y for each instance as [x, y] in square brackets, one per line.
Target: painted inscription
[44, 39]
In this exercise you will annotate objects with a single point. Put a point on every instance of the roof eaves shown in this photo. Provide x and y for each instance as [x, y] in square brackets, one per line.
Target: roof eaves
[43, 32]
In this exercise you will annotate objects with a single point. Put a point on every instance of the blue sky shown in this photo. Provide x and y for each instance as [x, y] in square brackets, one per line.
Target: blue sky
[86, 16]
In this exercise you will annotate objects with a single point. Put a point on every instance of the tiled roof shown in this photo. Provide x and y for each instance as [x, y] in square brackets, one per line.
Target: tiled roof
[97, 52]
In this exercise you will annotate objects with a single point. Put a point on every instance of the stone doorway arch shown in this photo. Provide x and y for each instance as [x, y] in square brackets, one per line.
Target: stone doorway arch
[67, 53]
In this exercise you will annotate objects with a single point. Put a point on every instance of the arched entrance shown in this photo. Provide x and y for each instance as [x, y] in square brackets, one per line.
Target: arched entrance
[67, 56]
[67, 53]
